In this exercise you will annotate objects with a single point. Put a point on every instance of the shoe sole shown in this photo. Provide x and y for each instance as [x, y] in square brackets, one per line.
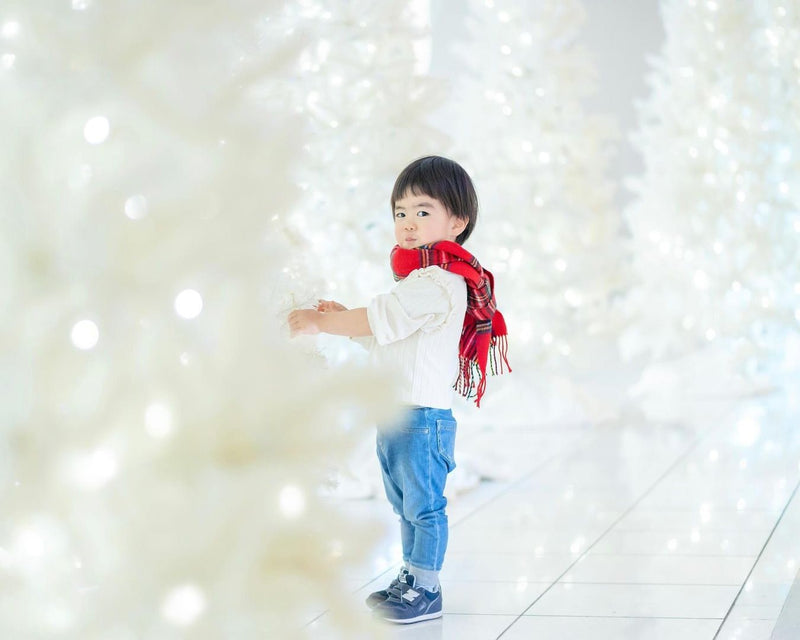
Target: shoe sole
[422, 618]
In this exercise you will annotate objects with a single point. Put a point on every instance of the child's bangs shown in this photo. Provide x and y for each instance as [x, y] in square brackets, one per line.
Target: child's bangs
[415, 182]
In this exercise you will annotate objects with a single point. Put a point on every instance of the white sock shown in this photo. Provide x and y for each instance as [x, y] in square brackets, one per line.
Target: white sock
[428, 580]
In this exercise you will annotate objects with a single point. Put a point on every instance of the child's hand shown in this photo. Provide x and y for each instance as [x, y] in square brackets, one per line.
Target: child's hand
[326, 306]
[303, 322]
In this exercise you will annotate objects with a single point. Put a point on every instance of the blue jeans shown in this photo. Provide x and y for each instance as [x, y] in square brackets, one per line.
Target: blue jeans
[416, 454]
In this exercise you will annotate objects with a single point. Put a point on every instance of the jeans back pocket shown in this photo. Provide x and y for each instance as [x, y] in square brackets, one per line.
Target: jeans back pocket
[446, 439]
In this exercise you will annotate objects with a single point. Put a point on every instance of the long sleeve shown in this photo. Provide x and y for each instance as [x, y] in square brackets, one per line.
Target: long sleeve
[421, 302]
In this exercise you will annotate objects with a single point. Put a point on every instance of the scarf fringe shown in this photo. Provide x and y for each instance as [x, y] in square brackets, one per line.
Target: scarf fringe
[471, 383]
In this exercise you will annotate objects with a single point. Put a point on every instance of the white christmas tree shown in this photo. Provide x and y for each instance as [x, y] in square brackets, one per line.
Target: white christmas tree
[548, 227]
[160, 440]
[716, 220]
[362, 90]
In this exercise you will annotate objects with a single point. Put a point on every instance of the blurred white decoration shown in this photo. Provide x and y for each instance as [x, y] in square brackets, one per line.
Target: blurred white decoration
[362, 93]
[714, 223]
[547, 225]
[144, 460]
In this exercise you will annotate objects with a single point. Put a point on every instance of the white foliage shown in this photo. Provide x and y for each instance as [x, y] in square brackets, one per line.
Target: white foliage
[547, 227]
[363, 98]
[716, 222]
[161, 450]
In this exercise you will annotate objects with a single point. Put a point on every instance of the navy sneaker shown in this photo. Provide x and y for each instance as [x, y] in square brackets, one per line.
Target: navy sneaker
[409, 603]
[379, 597]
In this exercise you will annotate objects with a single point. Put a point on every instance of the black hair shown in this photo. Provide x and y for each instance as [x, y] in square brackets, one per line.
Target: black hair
[444, 180]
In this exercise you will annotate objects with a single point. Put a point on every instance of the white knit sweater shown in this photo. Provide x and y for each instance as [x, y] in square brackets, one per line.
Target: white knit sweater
[416, 330]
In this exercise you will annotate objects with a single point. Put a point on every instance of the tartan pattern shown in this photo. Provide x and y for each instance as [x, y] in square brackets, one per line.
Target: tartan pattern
[484, 334]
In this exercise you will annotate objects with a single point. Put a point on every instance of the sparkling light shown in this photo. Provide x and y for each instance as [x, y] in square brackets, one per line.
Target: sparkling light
[672, 544]
[158, 420]
[577, 544]
[136, 207]
[30, 543]
[96, 130]
[85, 334]
[10, 29]
[188, 304]
[701, 279]
[748, 430]
[94, 470]
[292, 501]
[705, 513]
[183, 605]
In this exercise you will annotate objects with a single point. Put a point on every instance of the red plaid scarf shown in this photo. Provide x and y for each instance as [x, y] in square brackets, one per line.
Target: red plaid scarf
[484, 331]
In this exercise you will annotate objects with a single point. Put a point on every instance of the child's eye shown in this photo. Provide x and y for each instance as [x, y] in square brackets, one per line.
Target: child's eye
[422, 213]
[399, 214]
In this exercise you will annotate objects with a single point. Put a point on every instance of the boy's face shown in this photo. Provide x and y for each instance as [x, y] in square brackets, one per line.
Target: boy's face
[421, 219]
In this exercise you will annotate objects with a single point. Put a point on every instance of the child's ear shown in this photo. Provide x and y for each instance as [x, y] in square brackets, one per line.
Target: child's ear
[457, 224]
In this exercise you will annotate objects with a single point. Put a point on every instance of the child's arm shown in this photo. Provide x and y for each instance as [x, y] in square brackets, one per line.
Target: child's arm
[352, 322]
[326, 306]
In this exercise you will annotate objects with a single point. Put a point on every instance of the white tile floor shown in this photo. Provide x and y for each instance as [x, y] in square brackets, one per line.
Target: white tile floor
[617, 531]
